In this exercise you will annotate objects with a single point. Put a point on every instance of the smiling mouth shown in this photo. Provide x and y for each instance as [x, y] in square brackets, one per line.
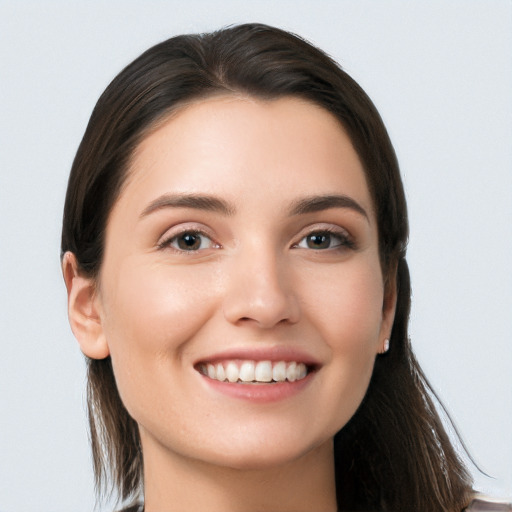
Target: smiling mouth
[252, 372]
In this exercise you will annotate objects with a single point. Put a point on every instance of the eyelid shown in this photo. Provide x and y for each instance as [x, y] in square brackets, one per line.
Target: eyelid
[175, 231]
[324, 227]
[332, 229]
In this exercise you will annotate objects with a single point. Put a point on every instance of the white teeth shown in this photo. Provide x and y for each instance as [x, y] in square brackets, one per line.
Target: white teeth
[291, 372]
[263, 371]
[279, 372]
[247, 371]
[221, 374]
[232, 372]
[250, 371]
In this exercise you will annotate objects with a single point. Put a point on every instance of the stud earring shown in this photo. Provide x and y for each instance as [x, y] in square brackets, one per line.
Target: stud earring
[385, 348]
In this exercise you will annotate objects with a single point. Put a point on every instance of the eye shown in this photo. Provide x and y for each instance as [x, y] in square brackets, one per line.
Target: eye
[325, 239]
[189, 241]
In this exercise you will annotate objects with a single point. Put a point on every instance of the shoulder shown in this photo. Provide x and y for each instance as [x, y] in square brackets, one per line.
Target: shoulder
[488, 505]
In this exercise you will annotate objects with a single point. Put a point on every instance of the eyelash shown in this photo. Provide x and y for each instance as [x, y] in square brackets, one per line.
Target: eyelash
[345, 241]
[168, 241]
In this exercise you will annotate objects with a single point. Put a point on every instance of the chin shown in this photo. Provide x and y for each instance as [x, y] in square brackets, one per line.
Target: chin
[265, 458]
[264, 450]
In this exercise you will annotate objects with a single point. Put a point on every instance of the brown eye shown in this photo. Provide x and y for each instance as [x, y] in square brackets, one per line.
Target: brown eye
[318, 241]
[323, 240]
[190, 241]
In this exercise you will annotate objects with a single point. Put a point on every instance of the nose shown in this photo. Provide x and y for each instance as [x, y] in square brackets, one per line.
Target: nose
[260, 291]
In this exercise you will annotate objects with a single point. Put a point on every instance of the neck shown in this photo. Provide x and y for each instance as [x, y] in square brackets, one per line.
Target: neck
[174, 483]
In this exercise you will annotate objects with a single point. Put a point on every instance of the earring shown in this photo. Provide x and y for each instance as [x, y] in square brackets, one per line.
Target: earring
[385, 348]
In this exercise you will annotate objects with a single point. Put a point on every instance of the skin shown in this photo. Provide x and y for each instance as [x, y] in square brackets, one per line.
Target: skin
[255, 281]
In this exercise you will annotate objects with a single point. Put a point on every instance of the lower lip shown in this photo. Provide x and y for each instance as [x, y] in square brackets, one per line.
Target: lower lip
[259, 393]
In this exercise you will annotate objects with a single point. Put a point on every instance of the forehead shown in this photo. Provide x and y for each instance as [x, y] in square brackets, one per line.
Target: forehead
[237, 145]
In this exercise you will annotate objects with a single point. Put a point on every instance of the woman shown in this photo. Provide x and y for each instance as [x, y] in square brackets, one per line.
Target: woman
[233, 248]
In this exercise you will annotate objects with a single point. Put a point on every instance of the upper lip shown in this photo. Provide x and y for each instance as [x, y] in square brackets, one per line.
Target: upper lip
[273, 354]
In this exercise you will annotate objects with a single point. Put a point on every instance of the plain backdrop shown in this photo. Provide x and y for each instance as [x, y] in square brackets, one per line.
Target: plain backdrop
[439, 71]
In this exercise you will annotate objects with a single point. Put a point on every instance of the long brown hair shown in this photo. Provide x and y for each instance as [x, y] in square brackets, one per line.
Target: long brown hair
[394, 454]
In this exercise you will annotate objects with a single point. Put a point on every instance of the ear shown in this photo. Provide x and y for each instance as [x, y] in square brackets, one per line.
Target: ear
[83, 310]
[388, 310]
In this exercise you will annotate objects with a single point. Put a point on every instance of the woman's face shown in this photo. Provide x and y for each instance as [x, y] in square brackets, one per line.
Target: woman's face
[243, 246]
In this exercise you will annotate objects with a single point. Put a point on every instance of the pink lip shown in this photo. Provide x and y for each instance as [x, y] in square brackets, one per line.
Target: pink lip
[261, 393]
[274, 354]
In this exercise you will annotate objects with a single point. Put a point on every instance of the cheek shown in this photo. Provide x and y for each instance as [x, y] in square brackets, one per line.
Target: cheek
[346, 307]
[155, 304]
[150, 314]
[348, 317]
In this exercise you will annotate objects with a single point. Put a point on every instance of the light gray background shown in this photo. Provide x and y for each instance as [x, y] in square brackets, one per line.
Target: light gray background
[440, 73]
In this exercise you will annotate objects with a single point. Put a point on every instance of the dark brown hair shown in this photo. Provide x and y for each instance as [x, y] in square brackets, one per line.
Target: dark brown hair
[394, 454]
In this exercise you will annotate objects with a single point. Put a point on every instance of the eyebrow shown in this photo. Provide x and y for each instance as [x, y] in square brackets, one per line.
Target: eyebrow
[195, 201]
[324, 202]
[209, 203]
